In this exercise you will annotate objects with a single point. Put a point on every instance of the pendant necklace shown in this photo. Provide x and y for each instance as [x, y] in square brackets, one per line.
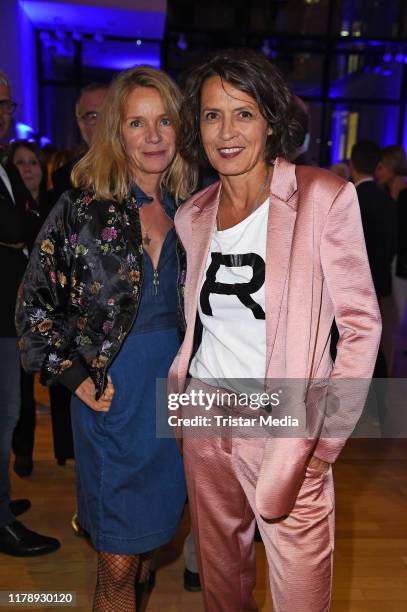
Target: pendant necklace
[256, 201]
[146, 239]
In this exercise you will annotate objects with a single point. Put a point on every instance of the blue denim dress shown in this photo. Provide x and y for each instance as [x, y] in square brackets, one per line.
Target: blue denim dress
[131, 486]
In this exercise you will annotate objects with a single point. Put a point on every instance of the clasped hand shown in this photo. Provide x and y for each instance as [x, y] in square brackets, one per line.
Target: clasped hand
[87, 392]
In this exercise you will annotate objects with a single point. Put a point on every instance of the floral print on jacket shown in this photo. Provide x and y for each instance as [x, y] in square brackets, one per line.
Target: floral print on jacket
[81, 290]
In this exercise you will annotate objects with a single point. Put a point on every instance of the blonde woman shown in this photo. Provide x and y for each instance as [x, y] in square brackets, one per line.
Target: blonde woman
[98, 311]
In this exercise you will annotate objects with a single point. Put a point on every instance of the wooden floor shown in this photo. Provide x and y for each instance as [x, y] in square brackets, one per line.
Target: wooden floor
[371, 534]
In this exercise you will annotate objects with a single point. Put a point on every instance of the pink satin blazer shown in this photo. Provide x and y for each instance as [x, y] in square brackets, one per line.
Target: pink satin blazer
[316, 270]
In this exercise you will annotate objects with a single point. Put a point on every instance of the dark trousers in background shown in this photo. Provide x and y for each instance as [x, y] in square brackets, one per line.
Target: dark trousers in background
[23, 438]
[9, 413]
[61, 422]
[379, 383]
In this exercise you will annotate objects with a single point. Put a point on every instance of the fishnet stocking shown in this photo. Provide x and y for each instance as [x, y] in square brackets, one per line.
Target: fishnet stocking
[144, 566]
[116, 578]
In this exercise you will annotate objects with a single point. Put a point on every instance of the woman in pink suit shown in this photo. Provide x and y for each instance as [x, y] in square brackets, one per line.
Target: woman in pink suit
[275, 252]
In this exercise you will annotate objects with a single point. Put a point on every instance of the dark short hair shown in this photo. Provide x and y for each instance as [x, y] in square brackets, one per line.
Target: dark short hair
[94, 86]
[365, 156]
[256, 76]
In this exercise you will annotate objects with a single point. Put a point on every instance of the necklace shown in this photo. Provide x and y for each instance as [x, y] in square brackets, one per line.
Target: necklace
[146, 239]
[256, 201]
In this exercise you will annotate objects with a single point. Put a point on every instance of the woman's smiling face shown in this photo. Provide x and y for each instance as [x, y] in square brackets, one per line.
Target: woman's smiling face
[233, 130]
[148, 134]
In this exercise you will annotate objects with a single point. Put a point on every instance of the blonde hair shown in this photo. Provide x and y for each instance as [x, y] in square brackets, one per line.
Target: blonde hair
[105, 169]
[394, 157]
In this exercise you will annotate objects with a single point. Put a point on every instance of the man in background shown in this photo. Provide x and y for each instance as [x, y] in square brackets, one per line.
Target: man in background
[15, 538]
[378, 213]
[87, 109]
[379, 220]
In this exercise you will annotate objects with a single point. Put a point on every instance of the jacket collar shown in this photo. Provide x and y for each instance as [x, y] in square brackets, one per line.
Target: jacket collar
[142, 198]
[284, 182]
[283, 186]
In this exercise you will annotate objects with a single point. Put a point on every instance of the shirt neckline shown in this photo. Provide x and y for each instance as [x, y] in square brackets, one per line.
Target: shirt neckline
[167, 201]
[238, 226]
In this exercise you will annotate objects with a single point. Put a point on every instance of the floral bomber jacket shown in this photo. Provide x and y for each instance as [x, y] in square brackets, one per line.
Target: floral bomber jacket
[81, 290]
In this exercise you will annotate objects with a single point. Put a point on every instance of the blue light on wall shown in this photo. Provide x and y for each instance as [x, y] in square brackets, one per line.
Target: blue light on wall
[389, 124]
[18, 59]
[337, 132]
[83, 17]
[120, 55]
[404, 143]
[23, 131]
[44, 140]
[377, 79]
[122, 63]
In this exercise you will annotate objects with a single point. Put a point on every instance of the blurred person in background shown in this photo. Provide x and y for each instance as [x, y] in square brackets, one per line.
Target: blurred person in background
[87, 110]
[99, 312]
[379, 215]
[341, 169]
[7, 107]
[57, 159]
[30, 162]
[391, 173]
[301, 156]
[15, 234]
[379, 220]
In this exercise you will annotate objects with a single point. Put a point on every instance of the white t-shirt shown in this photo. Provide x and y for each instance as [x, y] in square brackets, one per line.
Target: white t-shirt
[231, 305]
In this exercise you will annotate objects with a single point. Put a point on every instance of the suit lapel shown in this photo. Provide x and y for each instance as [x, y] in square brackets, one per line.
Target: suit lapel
[203, 223]
[4, 192]
[280, 230]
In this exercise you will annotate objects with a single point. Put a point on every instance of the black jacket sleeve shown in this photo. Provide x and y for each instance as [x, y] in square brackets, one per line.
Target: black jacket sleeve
[42, 304]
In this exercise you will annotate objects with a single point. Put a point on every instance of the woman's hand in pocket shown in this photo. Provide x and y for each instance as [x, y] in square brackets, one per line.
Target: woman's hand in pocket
[87, 391]
[318, 465]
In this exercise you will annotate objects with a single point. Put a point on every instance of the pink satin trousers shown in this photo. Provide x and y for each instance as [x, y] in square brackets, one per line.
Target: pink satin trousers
[221, 476]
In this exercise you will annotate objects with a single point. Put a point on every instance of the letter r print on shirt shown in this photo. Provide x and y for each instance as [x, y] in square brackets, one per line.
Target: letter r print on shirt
[242, 291]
